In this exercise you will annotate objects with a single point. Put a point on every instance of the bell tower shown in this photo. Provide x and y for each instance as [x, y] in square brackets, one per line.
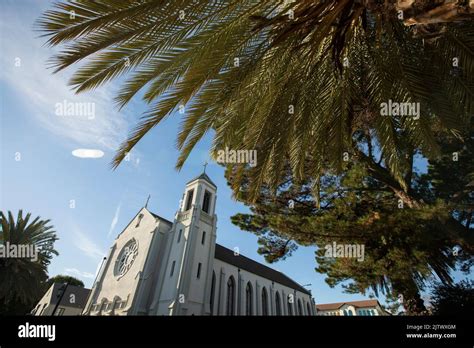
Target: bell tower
[185, 288]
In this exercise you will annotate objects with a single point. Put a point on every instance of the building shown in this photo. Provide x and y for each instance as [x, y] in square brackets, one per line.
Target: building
[161, 267]
[71, 303]
[356, 308]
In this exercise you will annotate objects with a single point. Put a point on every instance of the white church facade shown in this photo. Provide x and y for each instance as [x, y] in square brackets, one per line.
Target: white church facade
[159, 267]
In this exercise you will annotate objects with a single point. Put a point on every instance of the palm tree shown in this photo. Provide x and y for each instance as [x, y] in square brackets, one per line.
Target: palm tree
[290, 79]
[22, 278]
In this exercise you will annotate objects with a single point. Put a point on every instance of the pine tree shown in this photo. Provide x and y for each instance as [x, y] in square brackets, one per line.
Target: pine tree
[404, 245]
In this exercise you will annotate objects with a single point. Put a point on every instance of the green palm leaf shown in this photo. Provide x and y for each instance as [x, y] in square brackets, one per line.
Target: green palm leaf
[289, 55]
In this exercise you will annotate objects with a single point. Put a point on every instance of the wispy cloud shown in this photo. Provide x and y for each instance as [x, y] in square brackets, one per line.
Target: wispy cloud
[24, 70]
[76, 272]
[87, 245]
[114, 220]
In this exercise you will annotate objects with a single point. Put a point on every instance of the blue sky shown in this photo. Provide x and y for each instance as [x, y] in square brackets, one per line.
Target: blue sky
[48, 176]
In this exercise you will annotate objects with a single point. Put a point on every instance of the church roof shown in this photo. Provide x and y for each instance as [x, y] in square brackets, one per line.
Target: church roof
[240, 261]
[160, 218]
[81, 294]
[337, 305]
[203, 176]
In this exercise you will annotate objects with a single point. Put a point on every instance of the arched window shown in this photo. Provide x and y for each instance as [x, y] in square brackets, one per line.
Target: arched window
[350, 312]
[213, 289]
[345, 312]
[264, 302]
[189, 200]
[207, 201]
[230, 296]
[116, 302]
[248, 299]
[308, 309]
[300, 309]
[290, 305]
[277, 304]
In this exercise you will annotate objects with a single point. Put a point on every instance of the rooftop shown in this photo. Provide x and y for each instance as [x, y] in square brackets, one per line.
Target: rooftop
[337, 305]
[81, 294]
[203, 176]
[242, 262]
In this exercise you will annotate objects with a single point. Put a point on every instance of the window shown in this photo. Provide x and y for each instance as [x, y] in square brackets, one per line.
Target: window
[203, 239]
[207, 201]
[290, 307]
[345, 312]
[35, 310]
[230, 296]
[172, 268]
[120, 304]
[300, 309]
[189, 200]
[179, 235]
[308, 309]
[248, 299]
[264, 301]
[126, 258]
[213, 288]
[199, 270]
[139, 219]
[60, 311]
[108, 306]
[350, 312]
[278, 304]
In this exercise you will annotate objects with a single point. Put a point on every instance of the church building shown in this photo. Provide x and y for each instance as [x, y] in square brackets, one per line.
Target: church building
[161, 267]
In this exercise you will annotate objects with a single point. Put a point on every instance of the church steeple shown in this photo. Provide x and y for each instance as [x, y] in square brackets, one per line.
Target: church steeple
[192, 250]
[200, 192]
[202, 176]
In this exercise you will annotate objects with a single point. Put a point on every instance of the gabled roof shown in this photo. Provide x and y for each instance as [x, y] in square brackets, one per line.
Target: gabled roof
[159, 217]
[203, 176]
[357, 304]
[242, 262]
[81, 294]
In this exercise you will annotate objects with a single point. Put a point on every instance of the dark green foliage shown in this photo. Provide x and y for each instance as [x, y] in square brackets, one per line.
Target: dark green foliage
[404, 246]
[22, 280]
[455, 300]
[60, 278]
